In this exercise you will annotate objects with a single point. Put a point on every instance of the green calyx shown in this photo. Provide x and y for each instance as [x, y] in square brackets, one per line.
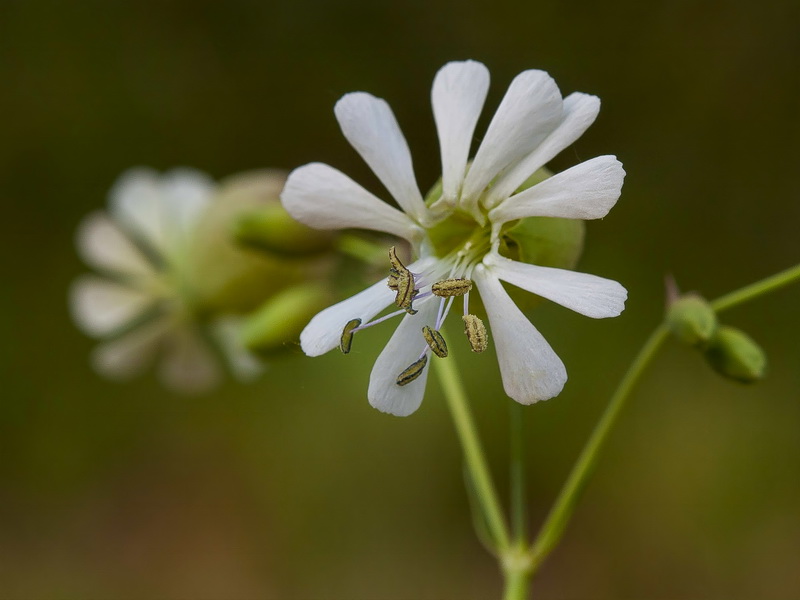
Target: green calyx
[279, 321]
[735, 355]
[692, 320]
[227, 276]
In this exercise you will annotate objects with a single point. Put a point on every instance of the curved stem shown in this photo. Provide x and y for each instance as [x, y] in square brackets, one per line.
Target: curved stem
[553, 527]
[517, 473]
[473, 453]
[759, 288]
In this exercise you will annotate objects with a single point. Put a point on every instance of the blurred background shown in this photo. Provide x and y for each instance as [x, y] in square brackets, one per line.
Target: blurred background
[294, 488]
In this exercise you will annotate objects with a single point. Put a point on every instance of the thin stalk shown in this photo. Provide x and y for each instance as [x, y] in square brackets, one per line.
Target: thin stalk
[759, 288]
[556, 521]
[456, 397]
[517, 474]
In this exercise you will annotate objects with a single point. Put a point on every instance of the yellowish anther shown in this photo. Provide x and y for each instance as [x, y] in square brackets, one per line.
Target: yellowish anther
[401, 280]
[476, 333]
[435, 341]
[346, 341]
[451, 287]
[412, 372]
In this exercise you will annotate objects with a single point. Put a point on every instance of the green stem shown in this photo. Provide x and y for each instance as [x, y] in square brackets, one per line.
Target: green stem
[759, 288]
[554, 525]
[517, 473]
[517, 584]
[473, 453]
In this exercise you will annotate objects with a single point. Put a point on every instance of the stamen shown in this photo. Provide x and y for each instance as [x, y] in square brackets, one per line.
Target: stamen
[412, 372]
[401, 280]
[346, 341]
[381, 320]
[451, 287]
[435, 341]
[443, 313]
[476, 333]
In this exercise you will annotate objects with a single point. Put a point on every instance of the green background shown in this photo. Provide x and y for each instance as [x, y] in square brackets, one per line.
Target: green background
[294, 487]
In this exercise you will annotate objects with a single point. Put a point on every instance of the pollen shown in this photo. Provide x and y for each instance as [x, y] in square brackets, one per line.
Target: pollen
[435, 341]
[346, 341]
[451, 287]
[476, 333]
[412, 372]
[401, 280]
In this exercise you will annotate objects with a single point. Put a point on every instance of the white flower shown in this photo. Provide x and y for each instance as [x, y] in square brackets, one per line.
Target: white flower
[481, 201]
[141, 305]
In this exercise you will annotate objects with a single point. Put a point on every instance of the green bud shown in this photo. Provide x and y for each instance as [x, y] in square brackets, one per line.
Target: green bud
[692, 320]
[279, 321]
[223, 275]
[735, 355]
[272, 229]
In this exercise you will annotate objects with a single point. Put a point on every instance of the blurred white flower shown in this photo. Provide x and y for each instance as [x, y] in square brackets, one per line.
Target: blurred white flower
[141, 304]
[459, 234]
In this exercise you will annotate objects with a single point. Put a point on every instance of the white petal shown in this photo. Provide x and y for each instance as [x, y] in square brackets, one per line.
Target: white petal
[588, 295]
[101, 306]
[323, 333]
[371, 128]
[130, 354]
[403, 349]
[324, 198]
[186, 193]
[586, 191]
[103, 246]
[188, 364]
[244, 365]
[580, 111]
[459, 91]
[530, 110]
[136, 203]
[531, 370]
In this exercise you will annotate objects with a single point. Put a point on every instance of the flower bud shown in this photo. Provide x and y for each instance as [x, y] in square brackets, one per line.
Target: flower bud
[272, 229]
[279, 321]
[735, 355]
[225, 276]
[692, 320]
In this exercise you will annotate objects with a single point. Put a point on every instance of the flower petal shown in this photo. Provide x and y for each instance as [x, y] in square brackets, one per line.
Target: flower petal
[586, 191]
[530, 110]
[459, 91]
[580, 111]
[324, 198]
[531, 370]
[136, 203]
[588, 295]
[403, 349]
[188, 364]
[186, 193]
[103, 246]
[130, 354]
[100, 306]
[371, 128]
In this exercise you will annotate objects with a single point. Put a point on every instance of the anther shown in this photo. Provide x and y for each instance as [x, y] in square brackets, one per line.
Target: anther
[451, 287]
[346, 341]
[435, 341]
[476, 333]
[401, 280]
[412, 372]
